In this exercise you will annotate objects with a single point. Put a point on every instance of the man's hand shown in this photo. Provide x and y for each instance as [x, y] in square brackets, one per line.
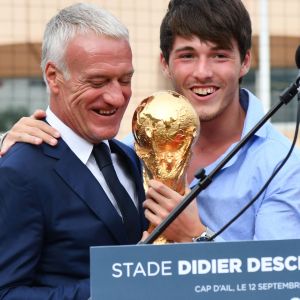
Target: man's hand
[30, 130]
[160, 201]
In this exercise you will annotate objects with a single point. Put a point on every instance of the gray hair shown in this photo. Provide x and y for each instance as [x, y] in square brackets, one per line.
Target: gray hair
[79, 18]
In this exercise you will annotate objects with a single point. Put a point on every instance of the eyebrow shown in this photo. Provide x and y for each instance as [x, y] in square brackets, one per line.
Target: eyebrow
[185, 48]
[214, 48]
[129, 73]
[103, 76]
[217, 48]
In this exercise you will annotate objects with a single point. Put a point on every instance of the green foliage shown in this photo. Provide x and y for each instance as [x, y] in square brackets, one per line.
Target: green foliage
[9, 116]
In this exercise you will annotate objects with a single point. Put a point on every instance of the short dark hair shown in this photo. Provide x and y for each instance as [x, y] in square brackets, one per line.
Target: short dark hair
[216, 21]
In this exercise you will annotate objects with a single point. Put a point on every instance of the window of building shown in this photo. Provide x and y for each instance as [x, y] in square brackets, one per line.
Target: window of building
[281, 78]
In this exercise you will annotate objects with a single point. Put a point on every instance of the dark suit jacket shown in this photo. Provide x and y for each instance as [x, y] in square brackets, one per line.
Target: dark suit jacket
[52, 209]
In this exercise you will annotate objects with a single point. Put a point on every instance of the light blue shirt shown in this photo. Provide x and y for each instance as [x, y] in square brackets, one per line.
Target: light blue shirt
[276, 213]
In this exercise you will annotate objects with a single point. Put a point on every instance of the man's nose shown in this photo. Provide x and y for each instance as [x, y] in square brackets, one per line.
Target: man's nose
[203, 68]
[113, 94]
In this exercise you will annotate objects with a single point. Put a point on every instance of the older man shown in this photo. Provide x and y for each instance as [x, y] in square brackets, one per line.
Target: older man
[55, 202]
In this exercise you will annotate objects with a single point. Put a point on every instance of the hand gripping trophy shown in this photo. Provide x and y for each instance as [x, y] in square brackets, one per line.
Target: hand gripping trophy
[165, 126]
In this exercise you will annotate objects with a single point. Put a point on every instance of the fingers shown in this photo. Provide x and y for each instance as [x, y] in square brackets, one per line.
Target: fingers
[163, 195]
[160, 201]
[38, 114]
[34, 132]
[155, 217]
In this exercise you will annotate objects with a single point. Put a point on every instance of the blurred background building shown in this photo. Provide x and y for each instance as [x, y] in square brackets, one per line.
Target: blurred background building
[276, 36]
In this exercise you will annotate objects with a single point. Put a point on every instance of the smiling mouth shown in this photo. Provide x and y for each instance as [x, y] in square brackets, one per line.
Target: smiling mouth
[204, 91]
[106, 113]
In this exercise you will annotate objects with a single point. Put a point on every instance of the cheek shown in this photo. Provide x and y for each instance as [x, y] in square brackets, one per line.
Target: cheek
[177, 72]
[180, 73]
[85, 99]
[127, 92]
[229, 77]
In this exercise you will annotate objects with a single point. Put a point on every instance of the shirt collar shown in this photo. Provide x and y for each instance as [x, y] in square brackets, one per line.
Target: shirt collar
[254, 112]
[81, 148]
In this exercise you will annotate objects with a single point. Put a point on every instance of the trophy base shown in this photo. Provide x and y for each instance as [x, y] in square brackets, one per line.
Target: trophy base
[161, 240]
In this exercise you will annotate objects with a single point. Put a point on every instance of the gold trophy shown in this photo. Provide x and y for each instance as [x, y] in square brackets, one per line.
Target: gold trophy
[165, 126]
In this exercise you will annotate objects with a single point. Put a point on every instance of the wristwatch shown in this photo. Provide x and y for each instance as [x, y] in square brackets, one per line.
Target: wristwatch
[204, 236]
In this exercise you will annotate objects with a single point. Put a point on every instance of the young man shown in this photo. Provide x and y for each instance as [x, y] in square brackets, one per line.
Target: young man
[205, 53]
[55, 203]
[205, 48]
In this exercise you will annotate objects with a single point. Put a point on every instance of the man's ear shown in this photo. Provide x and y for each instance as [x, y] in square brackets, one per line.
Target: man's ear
[246, 64]
[53, 77]
[164, 66]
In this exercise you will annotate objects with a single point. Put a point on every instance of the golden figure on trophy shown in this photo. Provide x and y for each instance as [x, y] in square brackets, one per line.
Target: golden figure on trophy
[164, 126]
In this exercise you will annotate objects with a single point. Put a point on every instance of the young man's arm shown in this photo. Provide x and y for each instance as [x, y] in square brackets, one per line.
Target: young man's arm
[2, 137]
[29, 130]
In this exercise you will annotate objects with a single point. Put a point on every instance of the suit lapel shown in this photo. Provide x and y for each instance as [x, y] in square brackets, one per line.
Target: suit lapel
[79, 178]
[135, 169]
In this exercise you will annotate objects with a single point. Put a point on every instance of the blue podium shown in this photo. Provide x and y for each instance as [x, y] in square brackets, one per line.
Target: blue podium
[226, 270]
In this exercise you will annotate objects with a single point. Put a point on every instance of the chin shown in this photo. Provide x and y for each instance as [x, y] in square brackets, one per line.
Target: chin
[107, 134]
[102, 131]
[208, 115]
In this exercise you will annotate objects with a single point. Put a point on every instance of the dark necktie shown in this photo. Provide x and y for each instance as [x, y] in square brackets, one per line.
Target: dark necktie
[128, 210]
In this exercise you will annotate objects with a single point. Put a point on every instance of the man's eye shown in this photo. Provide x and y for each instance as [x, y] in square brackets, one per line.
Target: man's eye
[126, 80]
[186, 56]
[220, 56]
[97, 84]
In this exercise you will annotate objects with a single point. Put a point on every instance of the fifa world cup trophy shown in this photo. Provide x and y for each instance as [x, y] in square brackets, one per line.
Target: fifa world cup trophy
[165, 126]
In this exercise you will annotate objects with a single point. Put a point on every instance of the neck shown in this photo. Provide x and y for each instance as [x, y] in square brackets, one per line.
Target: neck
[222, 130]
[216, 136]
